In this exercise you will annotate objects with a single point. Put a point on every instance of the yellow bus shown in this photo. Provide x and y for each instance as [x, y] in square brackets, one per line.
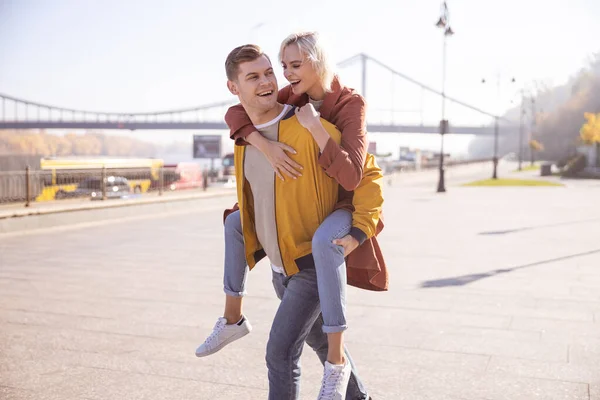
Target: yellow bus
[61, 175]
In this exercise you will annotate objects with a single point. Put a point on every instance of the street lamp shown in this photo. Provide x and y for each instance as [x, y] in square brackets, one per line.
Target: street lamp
[496, 124]
[444, 24]
[521, 128]
[532, 131]
[496, 129]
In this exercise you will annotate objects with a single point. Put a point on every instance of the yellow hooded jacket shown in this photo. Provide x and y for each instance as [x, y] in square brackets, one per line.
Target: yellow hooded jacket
[302, 204]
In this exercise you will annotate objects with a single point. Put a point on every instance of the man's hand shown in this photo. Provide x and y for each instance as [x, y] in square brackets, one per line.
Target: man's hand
[348, 242]
[280, 161]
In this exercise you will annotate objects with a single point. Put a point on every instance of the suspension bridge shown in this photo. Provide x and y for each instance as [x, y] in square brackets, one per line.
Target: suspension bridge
[17, 113]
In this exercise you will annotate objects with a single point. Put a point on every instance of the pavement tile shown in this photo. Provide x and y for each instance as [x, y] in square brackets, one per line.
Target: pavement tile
[560, 371]
[544, 325]
[502, 347]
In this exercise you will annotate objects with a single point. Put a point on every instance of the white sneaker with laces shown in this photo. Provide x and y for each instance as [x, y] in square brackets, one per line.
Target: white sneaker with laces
[335, 381]
[222, 335]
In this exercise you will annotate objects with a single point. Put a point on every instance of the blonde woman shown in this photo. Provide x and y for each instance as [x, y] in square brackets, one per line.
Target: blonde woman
[345, 232]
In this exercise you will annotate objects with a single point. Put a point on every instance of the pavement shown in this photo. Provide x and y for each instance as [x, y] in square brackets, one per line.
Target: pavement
[494, 294]
[9, 210]
[15, 217]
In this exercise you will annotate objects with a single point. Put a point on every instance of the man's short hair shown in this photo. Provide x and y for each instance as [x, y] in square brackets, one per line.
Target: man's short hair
[239, 55]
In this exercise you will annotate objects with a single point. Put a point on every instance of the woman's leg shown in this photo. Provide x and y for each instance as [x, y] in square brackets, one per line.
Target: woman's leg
[331, 277]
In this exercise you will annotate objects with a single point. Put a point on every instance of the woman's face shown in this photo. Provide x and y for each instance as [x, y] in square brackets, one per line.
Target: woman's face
[299, 71]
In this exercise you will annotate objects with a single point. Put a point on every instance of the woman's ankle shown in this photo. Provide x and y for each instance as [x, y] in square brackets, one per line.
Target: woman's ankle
[233, 309]
[233, 318]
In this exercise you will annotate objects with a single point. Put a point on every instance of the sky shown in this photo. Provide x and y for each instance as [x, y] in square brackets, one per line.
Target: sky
[143, 56]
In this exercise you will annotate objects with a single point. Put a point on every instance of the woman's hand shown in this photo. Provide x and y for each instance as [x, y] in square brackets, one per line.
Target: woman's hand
[348, 242]
[280, 161]
[308, 116]
[311, 120]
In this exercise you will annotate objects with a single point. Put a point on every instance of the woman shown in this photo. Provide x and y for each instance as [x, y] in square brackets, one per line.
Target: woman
[315, 88]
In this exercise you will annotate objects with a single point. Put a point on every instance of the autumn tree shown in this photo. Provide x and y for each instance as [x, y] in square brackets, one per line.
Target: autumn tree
[563, 107]
[590, 133]
[534, 146]
[89, 144]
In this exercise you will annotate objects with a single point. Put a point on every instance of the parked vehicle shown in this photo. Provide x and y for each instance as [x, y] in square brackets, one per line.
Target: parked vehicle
[116, 187]
[190, 176]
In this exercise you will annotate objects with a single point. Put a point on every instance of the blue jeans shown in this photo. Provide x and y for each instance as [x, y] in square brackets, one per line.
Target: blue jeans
[331, 269]
[297, 319]
[329, 263]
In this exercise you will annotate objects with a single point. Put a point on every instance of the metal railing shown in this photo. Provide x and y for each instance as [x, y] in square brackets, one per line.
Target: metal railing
[30, 185]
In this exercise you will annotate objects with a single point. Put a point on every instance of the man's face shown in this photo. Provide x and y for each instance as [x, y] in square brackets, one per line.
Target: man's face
[256, 85]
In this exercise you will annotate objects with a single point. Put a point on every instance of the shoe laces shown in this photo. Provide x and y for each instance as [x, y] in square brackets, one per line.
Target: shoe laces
[331, 380]
[216, 331]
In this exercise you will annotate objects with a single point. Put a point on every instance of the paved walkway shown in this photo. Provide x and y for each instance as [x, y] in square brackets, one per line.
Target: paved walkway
[10, 210]
[495, 294]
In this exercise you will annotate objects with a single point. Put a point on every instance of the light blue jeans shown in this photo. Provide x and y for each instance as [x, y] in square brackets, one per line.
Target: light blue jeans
[298, 318]
[331, 269]
[329, 264]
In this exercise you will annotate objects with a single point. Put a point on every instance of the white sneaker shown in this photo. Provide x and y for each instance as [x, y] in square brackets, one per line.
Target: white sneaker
[335, 381]
[222, 335]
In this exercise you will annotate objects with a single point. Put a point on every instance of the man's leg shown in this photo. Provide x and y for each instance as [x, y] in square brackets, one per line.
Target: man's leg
[232, 326]
[235, 267]
[297, 312]
[317, 340]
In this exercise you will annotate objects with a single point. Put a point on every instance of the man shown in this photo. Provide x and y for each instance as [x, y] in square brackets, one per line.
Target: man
[279, 220]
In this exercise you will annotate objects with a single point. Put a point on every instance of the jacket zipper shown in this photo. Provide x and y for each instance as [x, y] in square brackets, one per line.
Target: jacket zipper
[244, 204]
[275, 208]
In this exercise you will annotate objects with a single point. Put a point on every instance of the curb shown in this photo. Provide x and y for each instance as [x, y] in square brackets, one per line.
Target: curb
[28, 220]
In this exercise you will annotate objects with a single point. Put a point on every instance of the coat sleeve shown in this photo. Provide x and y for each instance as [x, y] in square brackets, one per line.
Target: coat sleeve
[344, 162]
[368, 202]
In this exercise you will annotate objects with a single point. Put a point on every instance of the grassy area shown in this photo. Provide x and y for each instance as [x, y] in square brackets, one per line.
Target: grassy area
[529, 167]
[513, 182]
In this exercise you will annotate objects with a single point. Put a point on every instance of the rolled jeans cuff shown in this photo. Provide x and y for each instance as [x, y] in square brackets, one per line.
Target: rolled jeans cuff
[334, 329]
[234, 294]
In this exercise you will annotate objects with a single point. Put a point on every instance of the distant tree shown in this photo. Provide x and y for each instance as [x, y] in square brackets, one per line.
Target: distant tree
[590, 133]
[562, 108]
[534, 145]
[89, 144]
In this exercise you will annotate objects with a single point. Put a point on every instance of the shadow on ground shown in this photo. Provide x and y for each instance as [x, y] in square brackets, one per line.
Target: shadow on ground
[530, 228]
[467, 279]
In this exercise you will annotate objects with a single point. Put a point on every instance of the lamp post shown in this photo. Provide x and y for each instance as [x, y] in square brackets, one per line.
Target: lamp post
[532, 131]
[496, 129]
[521, 128]
[497, 124]
[444, 24]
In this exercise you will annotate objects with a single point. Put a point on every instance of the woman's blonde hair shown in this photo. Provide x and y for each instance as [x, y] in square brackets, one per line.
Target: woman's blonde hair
[311, 46]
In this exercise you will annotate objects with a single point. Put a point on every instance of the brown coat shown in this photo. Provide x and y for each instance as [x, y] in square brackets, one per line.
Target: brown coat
[346, 109]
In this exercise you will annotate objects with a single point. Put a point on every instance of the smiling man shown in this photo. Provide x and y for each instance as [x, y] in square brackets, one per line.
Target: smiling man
[277, 219]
